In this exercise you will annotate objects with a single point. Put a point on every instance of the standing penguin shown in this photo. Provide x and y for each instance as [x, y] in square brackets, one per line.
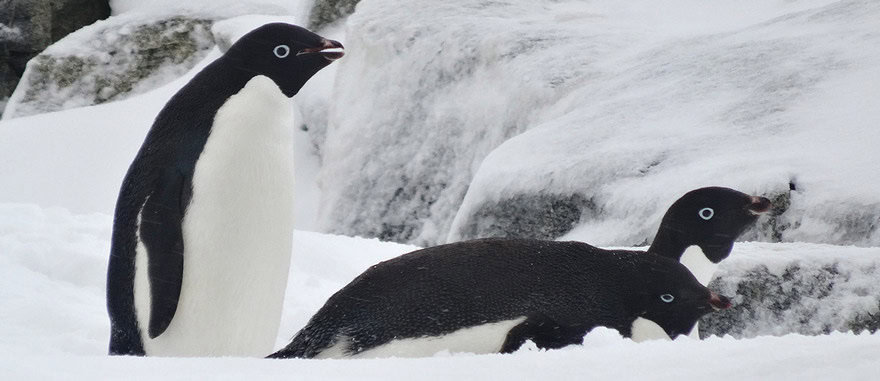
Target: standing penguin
[699, 229]
[491, 295]
[203, 225]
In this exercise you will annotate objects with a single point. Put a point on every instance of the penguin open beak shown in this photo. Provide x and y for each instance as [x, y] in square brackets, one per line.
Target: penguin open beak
[759, 205]
[329, 49]
[719, 302]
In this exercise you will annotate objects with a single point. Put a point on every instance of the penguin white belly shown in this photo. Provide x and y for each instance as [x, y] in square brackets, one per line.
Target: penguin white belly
[237, 233]
[703, 269]
[646, 329]
[481, 339]
[696, 261]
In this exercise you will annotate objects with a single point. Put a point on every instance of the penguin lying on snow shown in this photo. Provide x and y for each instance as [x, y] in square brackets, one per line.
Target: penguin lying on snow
[203, 226]
[492, 295]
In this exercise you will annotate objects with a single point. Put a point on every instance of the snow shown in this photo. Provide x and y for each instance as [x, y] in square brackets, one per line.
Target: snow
[803, 288]
[54, 321]
[83, 152]
[627, 105]
[8, 33]
[766, 91]
[790, 358]
[107, 55]
[214, 8]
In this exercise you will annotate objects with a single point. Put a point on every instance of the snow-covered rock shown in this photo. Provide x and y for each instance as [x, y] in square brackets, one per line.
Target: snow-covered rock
[604, 114]
[111, 60]
[326, 12]
[425, 91]
[219, 9]
[808, 289]
[29, 26]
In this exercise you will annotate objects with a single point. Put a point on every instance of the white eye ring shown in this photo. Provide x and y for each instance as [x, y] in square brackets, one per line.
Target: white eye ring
[281, 51]
[667, 298]
[706, 213]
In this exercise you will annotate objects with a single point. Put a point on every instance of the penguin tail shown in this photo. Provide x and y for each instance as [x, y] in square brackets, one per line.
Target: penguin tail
[307, 343]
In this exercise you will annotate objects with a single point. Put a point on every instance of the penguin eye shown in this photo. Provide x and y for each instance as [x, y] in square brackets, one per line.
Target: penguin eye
[667, 298]
[281, 51]
[706, 213]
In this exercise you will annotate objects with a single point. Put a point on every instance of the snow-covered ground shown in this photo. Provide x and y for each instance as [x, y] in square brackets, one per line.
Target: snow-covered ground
[60, 173]
[54, 323]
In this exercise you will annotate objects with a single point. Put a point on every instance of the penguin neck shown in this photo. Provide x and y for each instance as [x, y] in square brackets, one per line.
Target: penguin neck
[699, 265]
[667, 244]
[191, 106]
[226, 77]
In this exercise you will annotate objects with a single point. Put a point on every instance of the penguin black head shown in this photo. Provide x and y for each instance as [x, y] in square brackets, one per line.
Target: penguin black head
[286, 53]
[673, 298]
[711, 218]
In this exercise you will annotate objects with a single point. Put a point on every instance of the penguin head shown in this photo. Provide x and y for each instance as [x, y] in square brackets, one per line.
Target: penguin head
[711, 218]
[672, 297]
[286, 53]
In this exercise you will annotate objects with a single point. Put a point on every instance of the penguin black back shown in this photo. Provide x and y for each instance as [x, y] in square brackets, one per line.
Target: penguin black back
[157, 188]
[554, 292]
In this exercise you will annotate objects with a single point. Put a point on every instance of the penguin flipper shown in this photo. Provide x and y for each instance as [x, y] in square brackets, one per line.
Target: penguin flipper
[545, 332]
[161, 231]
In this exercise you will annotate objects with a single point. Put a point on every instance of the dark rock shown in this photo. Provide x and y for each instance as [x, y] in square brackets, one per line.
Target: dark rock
[540, 216]
[70, 15]
[29, 26]
[326, 12]
[806, 297]
[411, 193]
[771, 226]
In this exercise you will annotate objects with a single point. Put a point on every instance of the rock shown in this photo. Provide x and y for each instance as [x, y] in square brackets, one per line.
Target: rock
[29, 26]
[326, 12]
[797, 288]
[539, 216]
[69, 16]
[111, 60]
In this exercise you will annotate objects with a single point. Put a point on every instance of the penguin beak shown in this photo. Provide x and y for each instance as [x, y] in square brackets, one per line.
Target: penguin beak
[329, 49]
[759, 205]
[719, 302]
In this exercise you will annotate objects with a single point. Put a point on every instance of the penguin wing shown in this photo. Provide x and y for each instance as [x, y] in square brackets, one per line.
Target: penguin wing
[161, 231]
